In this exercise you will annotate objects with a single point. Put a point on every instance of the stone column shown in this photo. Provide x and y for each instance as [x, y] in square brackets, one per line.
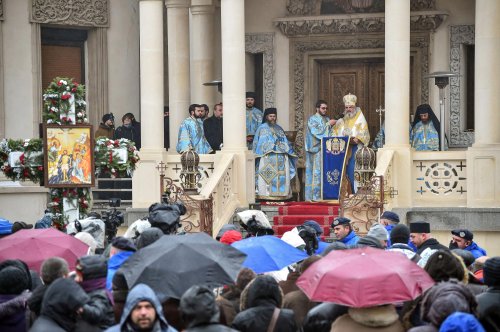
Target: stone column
[483, 158]
[397, 72]
[146, 180]
[487, 73]
[202, 52]
[233, 95]
[397, 95]
[178, 65]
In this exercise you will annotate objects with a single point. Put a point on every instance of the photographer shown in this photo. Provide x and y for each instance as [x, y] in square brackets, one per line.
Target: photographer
[166, 216]
[308, 234]
[112, 219]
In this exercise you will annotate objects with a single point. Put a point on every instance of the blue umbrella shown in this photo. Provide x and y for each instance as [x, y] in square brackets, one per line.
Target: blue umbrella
[268, 253]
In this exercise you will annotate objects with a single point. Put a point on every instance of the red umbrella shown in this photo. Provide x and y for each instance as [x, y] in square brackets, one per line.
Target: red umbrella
[33, 246]
[364, 277]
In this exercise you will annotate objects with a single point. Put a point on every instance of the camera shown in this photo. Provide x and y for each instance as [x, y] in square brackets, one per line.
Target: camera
[112, 219]
[308, 234]
[255, 228]
[114, 202]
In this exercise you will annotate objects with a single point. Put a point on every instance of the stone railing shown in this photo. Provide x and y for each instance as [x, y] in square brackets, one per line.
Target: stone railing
[221, 186]
[439, 178]
[385, 169]
[217, 184]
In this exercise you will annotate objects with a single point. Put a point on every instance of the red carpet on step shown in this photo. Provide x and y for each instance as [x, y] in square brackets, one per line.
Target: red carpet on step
[292, 214]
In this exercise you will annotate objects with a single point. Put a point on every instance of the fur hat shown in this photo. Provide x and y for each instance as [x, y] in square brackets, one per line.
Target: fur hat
[443, 266]
[491, 271]
[420, 227]
[400, 234]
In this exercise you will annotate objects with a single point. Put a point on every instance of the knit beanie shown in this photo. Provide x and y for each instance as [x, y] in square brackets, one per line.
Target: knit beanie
[230, 237]
[443, 266]
[13, 278]
[379, 232]
[400, 234]
[491, 271]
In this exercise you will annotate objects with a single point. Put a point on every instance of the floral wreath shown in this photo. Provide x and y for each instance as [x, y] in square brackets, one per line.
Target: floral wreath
[55, 205]
[62, 96]
[30, 166]
[108, 162]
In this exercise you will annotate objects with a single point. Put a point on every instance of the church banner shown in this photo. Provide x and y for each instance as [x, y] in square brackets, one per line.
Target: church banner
[334, 151]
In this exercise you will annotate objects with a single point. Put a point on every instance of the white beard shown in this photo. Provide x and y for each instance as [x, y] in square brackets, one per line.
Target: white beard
[349, 115]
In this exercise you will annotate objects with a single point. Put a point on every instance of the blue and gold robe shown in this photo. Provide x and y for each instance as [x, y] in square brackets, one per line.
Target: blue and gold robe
[317, 127]
[275, 162]
[424, 137]
[191, 135]
[253, 121]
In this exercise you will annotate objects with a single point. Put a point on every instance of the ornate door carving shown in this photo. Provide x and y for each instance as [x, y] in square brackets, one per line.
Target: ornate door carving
[362, 77]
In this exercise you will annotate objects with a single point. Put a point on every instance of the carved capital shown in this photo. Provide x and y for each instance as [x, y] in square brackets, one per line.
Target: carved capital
[85, 13]
[356, 23]
[177, 3]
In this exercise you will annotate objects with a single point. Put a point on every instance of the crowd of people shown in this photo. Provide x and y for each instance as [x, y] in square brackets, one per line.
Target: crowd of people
[96, 295]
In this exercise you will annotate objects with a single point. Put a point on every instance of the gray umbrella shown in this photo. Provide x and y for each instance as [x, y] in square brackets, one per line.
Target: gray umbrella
[174, 263]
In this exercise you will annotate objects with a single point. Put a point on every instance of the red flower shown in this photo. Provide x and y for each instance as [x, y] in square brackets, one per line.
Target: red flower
[66, 96]
[40, 168]
[75, 84]
[73, 90]
[59, 83]
[54, 102]
[21, 159]
[26, 172]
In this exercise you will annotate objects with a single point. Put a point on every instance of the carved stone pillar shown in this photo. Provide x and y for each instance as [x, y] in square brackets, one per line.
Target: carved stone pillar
[397, 95]
[483, 158]
[145, 182]
[202, 53]
[178, 65]
[233, 85]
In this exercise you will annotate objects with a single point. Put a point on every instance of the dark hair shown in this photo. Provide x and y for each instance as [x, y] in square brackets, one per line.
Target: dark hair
[319, 102]
[128, 116]
[205, 107]
[192, 108]
[53, 268]
[218, 104]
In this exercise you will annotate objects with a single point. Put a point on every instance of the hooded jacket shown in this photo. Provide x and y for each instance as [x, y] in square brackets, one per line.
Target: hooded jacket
[321, 317]
[489, 308]
[141, 292]
[61, 301]
[258, 302]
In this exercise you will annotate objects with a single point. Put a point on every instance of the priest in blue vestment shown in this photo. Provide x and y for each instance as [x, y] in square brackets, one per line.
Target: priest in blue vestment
[275, 160]
[318, 126]
[425, 130]
[191, 134]
[253, 117]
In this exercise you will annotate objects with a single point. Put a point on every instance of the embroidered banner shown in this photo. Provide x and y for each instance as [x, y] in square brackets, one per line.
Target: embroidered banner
[334, 151]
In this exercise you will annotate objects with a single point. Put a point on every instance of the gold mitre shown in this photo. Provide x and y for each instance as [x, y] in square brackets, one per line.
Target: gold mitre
[350, 100]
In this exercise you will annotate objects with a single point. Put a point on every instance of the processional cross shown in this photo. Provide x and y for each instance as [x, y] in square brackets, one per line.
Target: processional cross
[380, 110]
[161, 167]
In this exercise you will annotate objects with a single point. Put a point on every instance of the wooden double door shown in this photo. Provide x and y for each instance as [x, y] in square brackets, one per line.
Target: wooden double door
[361, 77]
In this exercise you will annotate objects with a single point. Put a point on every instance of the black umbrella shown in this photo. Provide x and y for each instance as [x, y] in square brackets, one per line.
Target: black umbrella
[174, 263]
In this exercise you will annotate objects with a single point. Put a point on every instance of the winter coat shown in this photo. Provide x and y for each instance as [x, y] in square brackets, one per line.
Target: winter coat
[14, 312]
[489, 308]
[321, 317]
[461, 322]
[381, 318]
[114, 264]
[289, 285]
[61, 301]
[432, 244]
[405, 250]
[351, 239]
[104, 131]
[141, 292]
[36, 298]
[299, 303]
[213, 327]
[262, 296]
[126, 132]
[212, 127]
